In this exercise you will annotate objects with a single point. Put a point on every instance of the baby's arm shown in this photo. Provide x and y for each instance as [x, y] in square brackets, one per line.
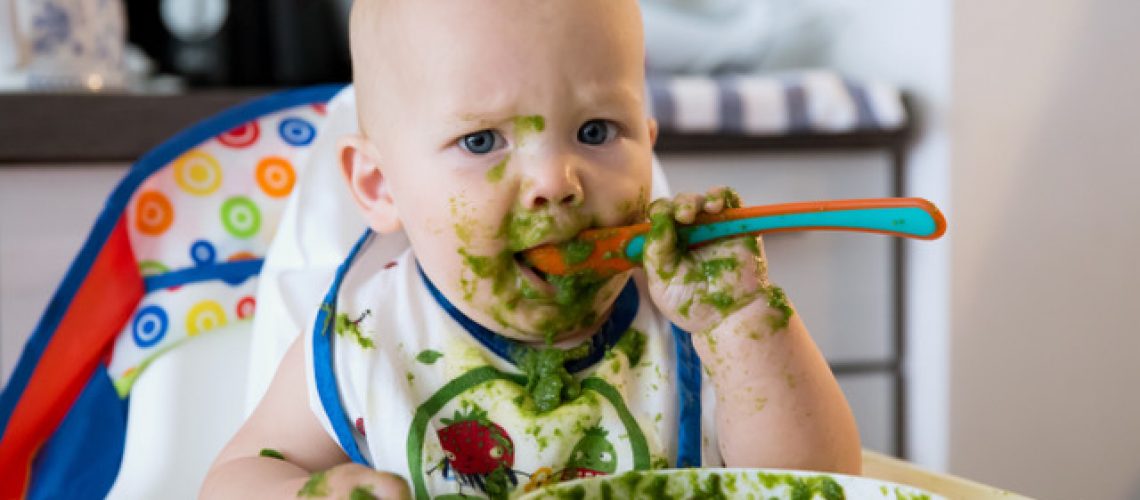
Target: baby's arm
[312, 464]
[778, 405]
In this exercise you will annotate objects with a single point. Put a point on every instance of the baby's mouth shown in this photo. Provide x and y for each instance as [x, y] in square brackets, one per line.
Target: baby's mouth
[536, 278]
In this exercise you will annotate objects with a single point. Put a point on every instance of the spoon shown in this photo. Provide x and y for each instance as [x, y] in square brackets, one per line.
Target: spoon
[611, 250]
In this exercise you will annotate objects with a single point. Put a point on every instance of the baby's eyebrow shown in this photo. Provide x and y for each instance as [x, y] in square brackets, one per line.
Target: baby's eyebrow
[607, 94]
[468, 119]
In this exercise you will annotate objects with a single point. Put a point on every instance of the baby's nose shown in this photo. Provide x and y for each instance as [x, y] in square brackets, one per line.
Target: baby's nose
[558, 186]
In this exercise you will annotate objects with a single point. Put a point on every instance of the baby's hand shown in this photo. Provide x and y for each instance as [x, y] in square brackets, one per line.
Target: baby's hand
[697, 289]
[355, 482]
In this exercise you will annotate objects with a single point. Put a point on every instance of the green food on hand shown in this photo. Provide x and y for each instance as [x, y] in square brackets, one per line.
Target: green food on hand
[779, 301]
[362, 493]
[271, 453]
[316, 487]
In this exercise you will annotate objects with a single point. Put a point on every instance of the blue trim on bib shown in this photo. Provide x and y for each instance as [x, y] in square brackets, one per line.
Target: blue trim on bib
[688, 400]
[624, 310]
[323, 370]
[233, 273]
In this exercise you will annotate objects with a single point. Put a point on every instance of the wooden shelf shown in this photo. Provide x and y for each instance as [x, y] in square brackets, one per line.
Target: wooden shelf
[51, 128]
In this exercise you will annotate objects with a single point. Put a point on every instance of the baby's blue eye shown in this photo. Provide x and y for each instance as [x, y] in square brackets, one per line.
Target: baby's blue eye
[596, 132]
[481, 142]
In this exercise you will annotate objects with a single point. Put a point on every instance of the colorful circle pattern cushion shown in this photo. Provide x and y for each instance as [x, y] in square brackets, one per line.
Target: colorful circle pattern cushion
[275, 176]
[149, 326]
[297, 131]
[203, 253]
[204, 316]
[154, 213]
[198, 173]
[217, 203]
[246, 307]
[242, 136]
[241, 217]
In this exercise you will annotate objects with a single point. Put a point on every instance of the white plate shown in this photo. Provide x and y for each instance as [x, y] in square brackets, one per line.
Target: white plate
[762, 484]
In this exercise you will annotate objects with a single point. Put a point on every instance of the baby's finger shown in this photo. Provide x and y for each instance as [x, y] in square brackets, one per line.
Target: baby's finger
[714, 202]
[382, 485]
[687, 207]
[720, 198]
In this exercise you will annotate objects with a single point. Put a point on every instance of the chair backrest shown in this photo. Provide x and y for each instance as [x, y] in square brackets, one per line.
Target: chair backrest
[175, 253]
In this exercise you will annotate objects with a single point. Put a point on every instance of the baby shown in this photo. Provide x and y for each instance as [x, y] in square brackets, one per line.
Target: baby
[489, 127]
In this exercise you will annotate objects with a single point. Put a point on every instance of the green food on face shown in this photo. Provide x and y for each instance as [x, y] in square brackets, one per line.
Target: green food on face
[548, 383]
[362, 493]
[574, 296]
[779, 301]
[526, 125]
[572, 300]
[428, 356]
[526, 228]
[271, 453]
[576, 251]
[632, 343]
[495, 174]
[499, 269]
[316, 487]
[409, 376]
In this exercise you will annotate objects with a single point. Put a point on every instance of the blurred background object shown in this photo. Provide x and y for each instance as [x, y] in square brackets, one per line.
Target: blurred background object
[265, 43]
[62, 45]
[724, 36]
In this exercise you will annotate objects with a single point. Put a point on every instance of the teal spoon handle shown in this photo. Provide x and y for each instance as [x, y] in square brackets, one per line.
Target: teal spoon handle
[920, 220]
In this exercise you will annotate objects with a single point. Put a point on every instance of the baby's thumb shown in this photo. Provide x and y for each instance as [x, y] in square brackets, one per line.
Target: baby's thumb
[365, 483]
[382, 485]
[661, 254]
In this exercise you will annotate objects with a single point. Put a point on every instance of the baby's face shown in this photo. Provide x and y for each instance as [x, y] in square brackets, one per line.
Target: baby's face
[501, 125]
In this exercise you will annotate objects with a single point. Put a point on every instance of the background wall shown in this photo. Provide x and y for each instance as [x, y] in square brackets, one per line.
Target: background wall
[1046, 230]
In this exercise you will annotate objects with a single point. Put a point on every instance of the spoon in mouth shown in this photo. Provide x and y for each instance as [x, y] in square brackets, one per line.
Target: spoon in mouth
[609, 251]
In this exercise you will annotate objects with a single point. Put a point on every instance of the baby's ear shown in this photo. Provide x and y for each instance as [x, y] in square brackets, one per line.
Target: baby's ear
[359, 162]
[652, 131]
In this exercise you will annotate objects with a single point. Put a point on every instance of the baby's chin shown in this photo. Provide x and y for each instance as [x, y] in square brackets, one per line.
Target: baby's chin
[531, 326]
[541, 320]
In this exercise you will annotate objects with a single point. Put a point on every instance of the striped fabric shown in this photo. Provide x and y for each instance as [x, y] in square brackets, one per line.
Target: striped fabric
[767, 105]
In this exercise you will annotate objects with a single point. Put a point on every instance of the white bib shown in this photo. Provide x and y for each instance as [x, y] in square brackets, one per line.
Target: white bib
[407, 384]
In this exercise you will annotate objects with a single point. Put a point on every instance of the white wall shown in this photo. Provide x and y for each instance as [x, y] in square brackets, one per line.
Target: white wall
[1046, 280]
[908, 43]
